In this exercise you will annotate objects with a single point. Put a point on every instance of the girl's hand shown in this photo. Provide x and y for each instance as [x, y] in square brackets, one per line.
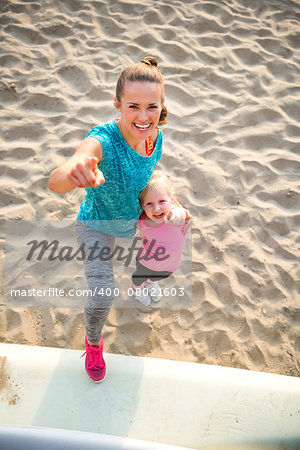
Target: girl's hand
[179, 216]
[86, 174]
[176, 216]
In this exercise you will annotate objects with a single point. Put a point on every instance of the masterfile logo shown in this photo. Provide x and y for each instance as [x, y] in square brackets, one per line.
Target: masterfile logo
[45, 266]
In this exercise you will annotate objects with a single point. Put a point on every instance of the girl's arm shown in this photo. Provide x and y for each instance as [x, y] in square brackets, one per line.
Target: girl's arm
[81, 170]
[142, 236]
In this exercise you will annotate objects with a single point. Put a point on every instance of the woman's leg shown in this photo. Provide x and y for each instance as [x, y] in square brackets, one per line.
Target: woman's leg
[100, 278]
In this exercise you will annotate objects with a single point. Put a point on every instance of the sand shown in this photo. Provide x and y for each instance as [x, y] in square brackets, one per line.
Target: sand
[231, 146]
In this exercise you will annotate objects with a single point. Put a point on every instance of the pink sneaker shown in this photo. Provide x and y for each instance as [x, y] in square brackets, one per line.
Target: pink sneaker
[94, 363]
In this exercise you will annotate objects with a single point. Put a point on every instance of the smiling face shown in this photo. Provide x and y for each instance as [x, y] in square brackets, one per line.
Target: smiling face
[157, 204]
[140, 108]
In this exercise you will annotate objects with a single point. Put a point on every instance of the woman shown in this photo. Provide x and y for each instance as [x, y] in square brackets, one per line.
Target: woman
[114, 163]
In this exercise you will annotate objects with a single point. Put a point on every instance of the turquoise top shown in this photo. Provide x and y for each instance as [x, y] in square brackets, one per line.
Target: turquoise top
[113, 207]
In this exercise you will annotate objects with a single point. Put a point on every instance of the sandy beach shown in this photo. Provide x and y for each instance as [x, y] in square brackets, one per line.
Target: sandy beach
[231, 148]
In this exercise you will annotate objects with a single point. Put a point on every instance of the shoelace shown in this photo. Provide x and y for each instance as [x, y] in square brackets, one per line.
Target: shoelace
[95, 360]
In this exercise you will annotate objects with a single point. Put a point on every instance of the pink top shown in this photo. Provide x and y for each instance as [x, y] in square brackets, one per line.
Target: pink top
[162, 246]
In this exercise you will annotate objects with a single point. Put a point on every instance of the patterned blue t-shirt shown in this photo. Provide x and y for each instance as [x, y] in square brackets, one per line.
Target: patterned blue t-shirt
[113, 207]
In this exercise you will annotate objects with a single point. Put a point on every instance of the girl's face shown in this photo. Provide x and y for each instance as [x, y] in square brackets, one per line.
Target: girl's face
[140, 109]
[157, 204]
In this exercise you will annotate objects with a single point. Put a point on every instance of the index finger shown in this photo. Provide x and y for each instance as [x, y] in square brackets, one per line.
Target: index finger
[92, 162]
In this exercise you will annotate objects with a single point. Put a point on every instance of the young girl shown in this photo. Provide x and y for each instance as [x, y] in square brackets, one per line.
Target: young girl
[162, 227]
[114, 163]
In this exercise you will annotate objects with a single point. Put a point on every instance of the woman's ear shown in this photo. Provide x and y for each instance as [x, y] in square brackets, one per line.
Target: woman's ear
[117, 103]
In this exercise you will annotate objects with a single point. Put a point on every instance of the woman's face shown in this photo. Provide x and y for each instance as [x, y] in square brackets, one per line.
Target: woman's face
[140, 109]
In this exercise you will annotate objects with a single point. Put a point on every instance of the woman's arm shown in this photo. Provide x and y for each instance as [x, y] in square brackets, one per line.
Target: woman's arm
[81, 170]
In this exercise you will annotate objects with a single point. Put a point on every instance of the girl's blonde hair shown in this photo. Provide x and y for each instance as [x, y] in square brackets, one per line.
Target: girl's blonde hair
[160, 182]
[145, 70]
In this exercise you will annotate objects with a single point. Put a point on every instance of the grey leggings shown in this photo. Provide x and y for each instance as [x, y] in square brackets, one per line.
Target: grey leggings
[99, 275]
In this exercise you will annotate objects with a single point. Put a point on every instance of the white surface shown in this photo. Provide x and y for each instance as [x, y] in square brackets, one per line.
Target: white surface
[14, 437]
[175, 403]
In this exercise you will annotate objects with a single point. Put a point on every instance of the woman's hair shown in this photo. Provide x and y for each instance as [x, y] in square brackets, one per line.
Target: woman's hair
[160, 182]
[145, 70]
